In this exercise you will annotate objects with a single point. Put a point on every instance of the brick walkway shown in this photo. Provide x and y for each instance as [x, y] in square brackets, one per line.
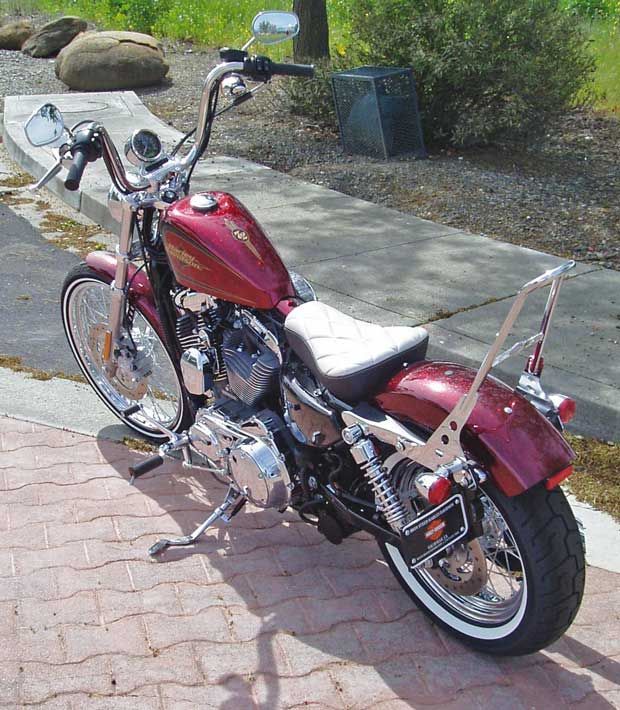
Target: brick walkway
[262, 613]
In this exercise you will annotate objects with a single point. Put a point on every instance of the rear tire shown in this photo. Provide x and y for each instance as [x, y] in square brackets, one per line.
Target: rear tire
[545, 531]
[85, 298]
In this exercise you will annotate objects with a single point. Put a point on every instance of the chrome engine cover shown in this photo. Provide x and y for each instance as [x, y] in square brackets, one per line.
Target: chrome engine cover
[247, 453]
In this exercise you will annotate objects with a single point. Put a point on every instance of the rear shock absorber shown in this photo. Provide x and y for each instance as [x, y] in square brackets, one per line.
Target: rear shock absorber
[365, 455]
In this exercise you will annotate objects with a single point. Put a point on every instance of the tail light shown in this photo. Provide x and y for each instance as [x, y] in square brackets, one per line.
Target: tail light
[439, 491]
[435, 489]
[558, 477]
[565, 407]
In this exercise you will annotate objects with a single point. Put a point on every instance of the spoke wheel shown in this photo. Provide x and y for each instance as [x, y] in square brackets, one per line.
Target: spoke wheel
[535, 573]
[504, 590]
[145, 375]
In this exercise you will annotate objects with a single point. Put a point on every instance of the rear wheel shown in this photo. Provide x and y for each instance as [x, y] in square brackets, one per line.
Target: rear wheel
[146, 374]
[533, 563]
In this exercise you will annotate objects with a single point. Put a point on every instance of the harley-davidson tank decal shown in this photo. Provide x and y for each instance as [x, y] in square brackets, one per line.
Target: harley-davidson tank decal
[242, 236]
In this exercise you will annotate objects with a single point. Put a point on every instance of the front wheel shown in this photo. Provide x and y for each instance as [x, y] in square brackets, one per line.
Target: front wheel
[532, 559]
[145, 374]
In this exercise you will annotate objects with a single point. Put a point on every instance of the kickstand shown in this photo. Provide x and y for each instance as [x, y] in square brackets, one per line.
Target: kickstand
[233, 500]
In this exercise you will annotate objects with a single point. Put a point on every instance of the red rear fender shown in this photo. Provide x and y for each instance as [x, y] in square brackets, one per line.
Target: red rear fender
[509, 438]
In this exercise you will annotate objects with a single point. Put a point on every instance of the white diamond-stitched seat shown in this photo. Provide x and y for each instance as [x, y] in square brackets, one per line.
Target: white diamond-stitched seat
[350, 357]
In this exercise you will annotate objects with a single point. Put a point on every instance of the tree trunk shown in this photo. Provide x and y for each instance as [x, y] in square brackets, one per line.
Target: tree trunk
[312, 42]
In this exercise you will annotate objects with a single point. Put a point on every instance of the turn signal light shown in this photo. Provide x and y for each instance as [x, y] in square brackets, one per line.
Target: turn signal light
[564, 406]
[566, 410]
[439, 491]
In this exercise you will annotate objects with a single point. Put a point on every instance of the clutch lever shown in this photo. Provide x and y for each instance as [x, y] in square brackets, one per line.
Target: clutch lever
[63, 161]
[49, 175]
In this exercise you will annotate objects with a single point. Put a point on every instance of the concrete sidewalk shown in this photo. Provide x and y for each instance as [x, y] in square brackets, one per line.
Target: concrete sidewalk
[261, 613]
[382, 265]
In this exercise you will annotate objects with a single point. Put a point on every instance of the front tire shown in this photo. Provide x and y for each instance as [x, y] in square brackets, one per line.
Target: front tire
[548, 579]
[86, 305]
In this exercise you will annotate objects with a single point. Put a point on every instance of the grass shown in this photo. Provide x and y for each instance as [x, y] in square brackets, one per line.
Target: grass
[597, 473]
[605, 38]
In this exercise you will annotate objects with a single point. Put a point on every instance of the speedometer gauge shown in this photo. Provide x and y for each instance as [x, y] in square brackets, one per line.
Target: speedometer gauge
[144, 146]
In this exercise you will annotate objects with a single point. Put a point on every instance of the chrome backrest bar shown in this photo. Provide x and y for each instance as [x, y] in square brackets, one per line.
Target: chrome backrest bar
[547, 277]
[518, 347]
[444, 444]
[553, 277]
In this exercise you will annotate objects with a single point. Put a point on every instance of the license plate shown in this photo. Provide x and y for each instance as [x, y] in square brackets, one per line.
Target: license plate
[432, 532]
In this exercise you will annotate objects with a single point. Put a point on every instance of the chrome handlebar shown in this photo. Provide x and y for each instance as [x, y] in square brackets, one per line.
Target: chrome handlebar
[127, 182]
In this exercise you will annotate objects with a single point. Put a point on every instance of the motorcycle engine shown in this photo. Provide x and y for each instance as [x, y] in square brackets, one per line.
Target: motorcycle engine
[244, 446]
[252, 367]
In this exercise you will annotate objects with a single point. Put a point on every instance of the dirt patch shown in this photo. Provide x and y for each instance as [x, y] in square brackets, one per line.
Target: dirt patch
[71, 235]
[597, 474]
[13, 197]
[16, 180]
[12, 362]
[138, 444]
[557, 194]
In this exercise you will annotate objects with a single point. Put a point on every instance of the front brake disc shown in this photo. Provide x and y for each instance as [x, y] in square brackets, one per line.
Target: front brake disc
[132, 384]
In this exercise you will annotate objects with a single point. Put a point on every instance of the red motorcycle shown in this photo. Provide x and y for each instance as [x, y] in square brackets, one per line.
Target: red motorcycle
[196, 335]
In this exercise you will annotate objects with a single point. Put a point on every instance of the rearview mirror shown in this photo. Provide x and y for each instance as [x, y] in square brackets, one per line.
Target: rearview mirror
[274, 27]
[45, 126]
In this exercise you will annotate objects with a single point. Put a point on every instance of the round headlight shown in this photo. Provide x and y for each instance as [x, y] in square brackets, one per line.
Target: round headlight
[142, 147]
[303, 288]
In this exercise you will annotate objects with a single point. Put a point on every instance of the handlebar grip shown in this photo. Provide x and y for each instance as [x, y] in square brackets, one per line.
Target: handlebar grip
[74, 176]
[306, 70]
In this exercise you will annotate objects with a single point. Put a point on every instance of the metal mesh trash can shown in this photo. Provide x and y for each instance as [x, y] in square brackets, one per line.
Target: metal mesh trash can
[377, 110]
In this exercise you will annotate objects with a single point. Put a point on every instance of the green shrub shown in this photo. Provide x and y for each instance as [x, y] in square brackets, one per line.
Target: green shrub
[313, 97]
[593, 9]
[485, 70]
[139, 15]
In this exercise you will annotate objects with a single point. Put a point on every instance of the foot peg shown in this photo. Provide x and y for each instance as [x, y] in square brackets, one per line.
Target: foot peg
[175, 442]
[144, 467]
[233, 502]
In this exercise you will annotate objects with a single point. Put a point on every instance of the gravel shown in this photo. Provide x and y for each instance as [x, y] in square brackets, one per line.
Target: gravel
[558, 195]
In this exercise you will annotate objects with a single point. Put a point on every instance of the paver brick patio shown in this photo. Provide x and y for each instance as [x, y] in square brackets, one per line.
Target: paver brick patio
[261, 613]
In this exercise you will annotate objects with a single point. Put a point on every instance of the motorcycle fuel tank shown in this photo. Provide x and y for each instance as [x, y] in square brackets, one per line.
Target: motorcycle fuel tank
[217, 247]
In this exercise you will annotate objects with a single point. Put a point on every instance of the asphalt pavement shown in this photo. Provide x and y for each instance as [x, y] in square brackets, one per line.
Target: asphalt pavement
[31, 275]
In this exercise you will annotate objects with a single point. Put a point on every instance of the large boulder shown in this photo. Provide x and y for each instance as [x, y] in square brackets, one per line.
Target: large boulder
[103, 61]
[13, 35]
[51, 38]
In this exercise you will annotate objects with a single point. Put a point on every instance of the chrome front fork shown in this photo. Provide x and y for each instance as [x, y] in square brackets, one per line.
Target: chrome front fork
[117, 306]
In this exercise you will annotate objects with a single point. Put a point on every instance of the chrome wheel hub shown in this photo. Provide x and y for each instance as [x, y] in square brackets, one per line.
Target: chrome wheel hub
[463, 571]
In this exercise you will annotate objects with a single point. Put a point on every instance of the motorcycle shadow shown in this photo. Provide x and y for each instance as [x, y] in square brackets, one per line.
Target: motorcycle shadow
[275, 615]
